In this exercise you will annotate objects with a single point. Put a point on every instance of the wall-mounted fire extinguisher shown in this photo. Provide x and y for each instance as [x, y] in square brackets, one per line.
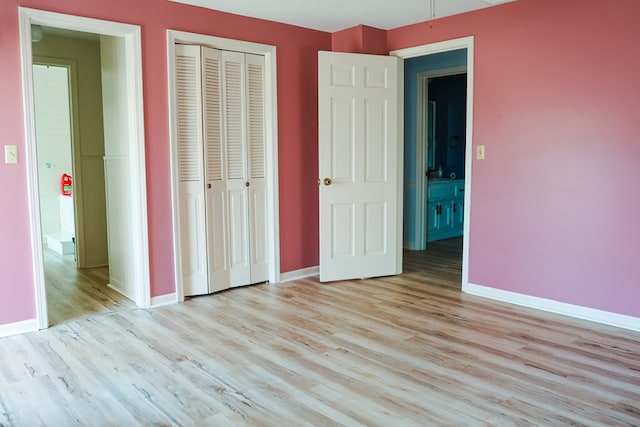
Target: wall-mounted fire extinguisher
[66, 185]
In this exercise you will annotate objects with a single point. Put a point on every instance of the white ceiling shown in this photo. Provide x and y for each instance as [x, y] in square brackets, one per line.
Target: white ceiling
[334, 15]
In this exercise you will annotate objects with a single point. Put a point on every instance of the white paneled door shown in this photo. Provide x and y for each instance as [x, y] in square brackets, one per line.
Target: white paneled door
[221, 162]
[360, 154]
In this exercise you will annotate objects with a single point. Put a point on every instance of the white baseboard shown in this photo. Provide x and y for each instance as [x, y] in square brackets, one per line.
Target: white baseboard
[119, 287]
[299, 274]
[577, 311]
[162, 300]
[16, 328]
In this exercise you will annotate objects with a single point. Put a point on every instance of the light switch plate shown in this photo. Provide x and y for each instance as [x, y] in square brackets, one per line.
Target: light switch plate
[480, 152]
[11, 154]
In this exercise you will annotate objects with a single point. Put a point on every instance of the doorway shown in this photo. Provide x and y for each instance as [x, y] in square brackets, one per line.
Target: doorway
[70, 152]
[441, 122]
[123, 160]
[52, 100]
[415, 200]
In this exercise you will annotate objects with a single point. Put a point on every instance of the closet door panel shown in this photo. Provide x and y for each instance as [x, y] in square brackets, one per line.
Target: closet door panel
[256, 165]
[239, 257]
[217, 240]
[214, 149]
[259, 247]
[193, 253]
[193, 242]
[235, 137]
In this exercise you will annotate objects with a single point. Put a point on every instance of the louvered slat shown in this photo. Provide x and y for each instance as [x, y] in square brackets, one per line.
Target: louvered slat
[188, 109]
[234, 118]
[212, 114]
[255, 125]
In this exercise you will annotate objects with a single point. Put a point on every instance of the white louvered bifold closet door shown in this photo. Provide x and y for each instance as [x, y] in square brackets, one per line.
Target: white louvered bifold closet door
[214, 148]
[257, 169]
[235, 133]
[190, 170]
[221, 162]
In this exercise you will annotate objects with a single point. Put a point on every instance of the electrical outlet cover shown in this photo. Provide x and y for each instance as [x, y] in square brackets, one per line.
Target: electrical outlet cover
[11, 154]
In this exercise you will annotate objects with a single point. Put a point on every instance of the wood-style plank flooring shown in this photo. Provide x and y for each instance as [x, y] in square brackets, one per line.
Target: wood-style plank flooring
[73, 293]
[409, 350]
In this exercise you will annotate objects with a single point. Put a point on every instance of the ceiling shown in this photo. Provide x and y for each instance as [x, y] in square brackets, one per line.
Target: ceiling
[335, 15]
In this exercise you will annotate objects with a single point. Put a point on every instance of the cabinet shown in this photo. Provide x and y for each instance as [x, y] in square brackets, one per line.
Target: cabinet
[445, 209]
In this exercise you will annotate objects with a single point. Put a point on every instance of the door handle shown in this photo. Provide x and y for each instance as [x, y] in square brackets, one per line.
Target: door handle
[208, 185]
[327, 181]
[246, 184]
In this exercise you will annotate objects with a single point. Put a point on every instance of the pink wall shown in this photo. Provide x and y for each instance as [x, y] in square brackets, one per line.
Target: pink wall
[555, 204]
[297, 112]
[347, 40]
[360, 39]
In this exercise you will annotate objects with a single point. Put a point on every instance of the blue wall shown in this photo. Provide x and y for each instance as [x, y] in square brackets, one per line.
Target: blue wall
[412, 67]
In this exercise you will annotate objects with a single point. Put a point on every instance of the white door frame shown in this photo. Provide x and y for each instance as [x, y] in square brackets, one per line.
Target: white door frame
[422, 148]
[139, 239]
[429, 49]
[271, 134]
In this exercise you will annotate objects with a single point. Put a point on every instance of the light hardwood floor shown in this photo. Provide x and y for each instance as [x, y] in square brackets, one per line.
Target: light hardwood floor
[73, 293]
[407, 350]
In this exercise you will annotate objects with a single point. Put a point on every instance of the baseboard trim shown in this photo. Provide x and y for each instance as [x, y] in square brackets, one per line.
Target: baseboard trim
[119, 287]
[16, 328]
[577, 311]
[163, 300]
[299, 274]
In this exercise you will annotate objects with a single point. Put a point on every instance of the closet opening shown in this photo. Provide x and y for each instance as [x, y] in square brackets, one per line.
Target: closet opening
[224, 163]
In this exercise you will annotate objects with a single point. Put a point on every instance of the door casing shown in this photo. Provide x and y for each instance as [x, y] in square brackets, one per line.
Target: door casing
[131, 34]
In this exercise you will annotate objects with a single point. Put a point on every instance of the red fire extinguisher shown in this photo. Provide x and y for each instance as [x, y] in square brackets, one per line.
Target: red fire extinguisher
[66, 185]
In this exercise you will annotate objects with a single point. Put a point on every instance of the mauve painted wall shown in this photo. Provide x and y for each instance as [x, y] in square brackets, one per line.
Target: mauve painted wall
[360, 39]
[297, 111]
[555, 210]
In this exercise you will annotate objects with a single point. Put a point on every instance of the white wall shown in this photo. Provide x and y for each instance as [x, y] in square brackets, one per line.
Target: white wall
[53, 133]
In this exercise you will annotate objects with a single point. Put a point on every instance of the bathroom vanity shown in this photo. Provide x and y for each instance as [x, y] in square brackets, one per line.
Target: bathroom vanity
[445, 208]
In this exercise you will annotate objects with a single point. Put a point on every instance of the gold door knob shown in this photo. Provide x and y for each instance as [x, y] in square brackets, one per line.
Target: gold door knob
[327, 181]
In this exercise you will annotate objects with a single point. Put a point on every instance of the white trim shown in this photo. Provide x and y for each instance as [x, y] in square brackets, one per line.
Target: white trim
[303, 273]
[579, 312]
[16, 328]
[271, 132]
[120, 288]
[163, 300]
[132, 36]
[137, 165]
[444, 46]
